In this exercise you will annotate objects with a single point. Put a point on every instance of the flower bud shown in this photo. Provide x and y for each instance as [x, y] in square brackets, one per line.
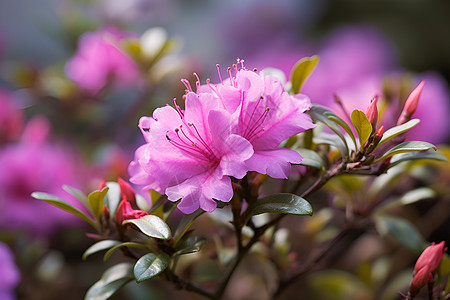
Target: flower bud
[127, 192]
[421, 278]
[102, 185]
[126, 212]
[372, 113]
[411, 104]
[431, 257]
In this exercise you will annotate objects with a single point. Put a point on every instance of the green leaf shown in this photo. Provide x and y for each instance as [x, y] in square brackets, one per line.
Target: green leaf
[150, 265]
[157, 208]
[402, 230]
[362, 126]
[152, 226]
[331, 116]
[413, 146]
[191, 245]
[279, 203]
[301, 71]
[96, 202]
[185, 224]
[431, 154]
[319, 113]
[310, 158]
[111, 281]
[77, 194]
[329, 139]
[119, 245]
[99, 246]
[394, 131]
[58, 202]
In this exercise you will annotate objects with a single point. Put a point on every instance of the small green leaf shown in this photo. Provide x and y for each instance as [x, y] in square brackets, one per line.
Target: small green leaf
[77, 194]
[119, 245]
[96, 202]
[152, 226]
[58, 202]
[402, 230]
[279, 203]
[99, 246]
[332, 140]
[413, 146]
[191, 245]
[185, 224]
[431, 154]
[320, 113]
[331, 116]
[150, 265]
[301, 71]
[111, 281]
[310, 158]
[362, 126]
[394, 131]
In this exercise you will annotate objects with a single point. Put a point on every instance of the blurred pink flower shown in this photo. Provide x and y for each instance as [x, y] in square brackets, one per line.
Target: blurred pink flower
[9, 273]
[99, 59]
[32, 165]
[11, 118]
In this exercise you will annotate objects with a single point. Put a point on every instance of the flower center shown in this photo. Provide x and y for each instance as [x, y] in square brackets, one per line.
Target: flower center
[254, 123]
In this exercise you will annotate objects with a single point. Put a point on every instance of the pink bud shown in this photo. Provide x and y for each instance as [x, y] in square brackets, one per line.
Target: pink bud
[431, 257]
[126, 191]
[372, 112]
[122, 210]
[102, 185]
[421, 278]
[411, 104]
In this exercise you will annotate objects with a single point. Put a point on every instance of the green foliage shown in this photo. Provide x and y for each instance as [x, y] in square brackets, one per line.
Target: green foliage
[279, 203]
[362, 126]
[301, 71]
[150, 265]
[185, 224]
[430, 154]
[110, 282]
[395, 131]
[311, 158]
[96, 200]
[413, 146]
[152, 226]
[99, 246]
[58, 202]
[77, 194]
[401, 230]
[190, 245]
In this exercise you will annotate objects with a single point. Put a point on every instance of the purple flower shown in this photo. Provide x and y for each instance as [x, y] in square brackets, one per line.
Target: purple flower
[225, 130]
[99, 59]
[9, 273]
[32, 165]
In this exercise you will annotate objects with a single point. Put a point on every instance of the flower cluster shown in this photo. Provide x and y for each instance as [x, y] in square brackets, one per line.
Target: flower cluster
[224, 131]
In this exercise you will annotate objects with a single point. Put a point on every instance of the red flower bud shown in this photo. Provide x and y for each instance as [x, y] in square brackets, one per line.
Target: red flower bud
[421, 278]
[126, 212]
[431, 257]
[102, 185]
[127, 192]
[372, 112]
[411, 104]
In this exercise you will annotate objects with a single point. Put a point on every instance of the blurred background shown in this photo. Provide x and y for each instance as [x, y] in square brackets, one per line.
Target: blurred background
[70, 101]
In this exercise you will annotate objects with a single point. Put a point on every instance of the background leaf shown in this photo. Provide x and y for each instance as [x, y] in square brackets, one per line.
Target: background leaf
[191, 245]
[96, 202]
[395, 131]
[301, 71]
[402, 230]
[110, 282]
[310, 158]
[279, 203]
[99, 246]
[60, 203]
[413, 146]
[152, 226]
[119, 245]
[150, 265]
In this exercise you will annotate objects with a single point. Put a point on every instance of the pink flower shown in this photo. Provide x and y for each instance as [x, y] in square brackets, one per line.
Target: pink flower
[226, 130]
[99, 59]
[265, 115]
[431, 257]
[33, 165]
[191, 154]
[9, 273]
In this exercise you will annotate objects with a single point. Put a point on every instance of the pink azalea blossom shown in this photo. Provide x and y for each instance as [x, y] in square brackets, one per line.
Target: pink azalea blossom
[9, 273]
[99, 59]
[226, 130]
[33, 165]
